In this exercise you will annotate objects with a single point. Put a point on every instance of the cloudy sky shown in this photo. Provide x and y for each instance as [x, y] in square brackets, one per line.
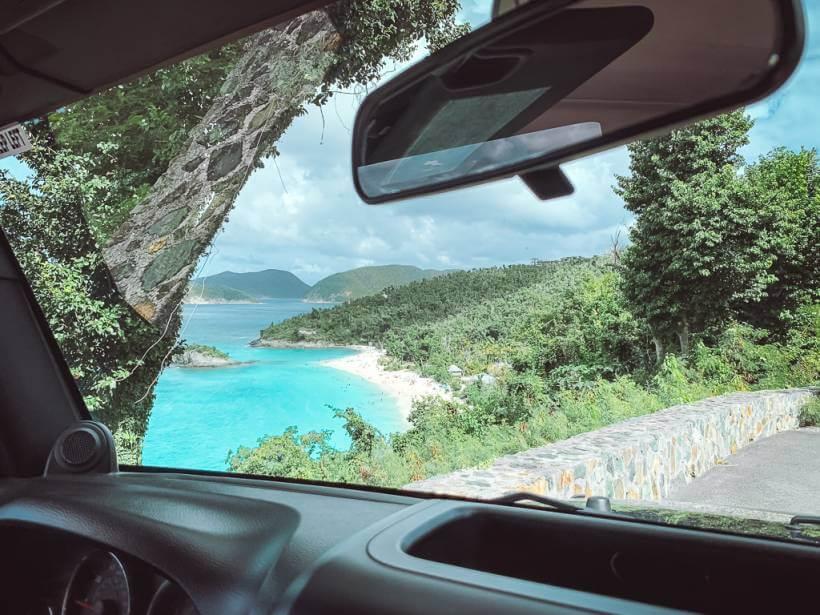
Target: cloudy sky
[312, 223]
[302, 213]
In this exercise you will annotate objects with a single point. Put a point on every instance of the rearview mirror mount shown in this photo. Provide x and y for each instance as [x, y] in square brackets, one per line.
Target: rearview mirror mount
[552, 81]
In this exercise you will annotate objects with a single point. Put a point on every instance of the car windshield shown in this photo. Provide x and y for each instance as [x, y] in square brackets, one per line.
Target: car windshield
[226, 302]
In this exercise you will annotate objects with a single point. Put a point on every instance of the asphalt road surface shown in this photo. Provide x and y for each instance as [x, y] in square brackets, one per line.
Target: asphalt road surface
[780, 473]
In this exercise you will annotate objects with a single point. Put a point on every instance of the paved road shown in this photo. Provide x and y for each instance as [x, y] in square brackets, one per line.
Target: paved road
[780, 473]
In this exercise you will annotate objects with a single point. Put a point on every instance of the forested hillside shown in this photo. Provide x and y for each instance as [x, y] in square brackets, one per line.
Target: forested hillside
[369, 319]
[364, 281]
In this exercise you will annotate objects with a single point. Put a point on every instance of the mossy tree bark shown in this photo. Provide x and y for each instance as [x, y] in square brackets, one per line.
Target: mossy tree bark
[154, 252]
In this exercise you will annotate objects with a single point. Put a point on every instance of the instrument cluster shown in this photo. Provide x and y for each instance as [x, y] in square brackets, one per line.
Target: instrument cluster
[100, 584]
[49, 573]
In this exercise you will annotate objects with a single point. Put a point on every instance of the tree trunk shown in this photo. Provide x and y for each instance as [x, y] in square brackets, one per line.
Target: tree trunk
[154, 252]
[683, 336]
[660, 350]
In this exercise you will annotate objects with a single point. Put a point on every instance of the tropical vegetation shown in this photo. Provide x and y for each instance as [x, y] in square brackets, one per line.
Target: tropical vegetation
[717, 292]
[366, 320]
[106, 345]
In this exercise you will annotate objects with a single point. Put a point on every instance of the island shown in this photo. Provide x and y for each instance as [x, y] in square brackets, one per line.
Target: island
[200, 355]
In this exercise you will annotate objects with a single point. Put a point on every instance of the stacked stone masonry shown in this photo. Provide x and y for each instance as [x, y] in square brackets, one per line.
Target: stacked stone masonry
[637, 459]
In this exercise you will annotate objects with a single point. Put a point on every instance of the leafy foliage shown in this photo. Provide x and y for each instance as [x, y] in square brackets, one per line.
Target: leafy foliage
[208, 351]
[679, 156]
[102, 340]
[785, 187]
[810, 414]
[688, 201]
[375, 31]
[131, 132]
[714, 240]
[573, 321]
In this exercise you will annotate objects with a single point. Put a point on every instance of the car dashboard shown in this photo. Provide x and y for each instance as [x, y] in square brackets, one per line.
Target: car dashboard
[149, 543]
[52, 572]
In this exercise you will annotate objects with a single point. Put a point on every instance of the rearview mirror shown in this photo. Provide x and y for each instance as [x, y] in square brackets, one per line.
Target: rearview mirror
[551, 81]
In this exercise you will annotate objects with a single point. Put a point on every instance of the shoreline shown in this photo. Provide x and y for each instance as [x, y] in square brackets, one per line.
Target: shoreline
[227, 364]
[403, 385]
[189, 301]
[263, 343]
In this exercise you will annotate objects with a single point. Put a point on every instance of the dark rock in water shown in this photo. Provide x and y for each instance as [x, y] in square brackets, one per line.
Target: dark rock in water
[196, 355]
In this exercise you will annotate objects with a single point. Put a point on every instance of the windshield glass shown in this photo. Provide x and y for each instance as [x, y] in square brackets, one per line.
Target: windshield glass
[226, 302]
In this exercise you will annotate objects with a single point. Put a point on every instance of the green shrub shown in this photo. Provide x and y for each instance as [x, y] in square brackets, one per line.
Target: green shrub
[810, 414]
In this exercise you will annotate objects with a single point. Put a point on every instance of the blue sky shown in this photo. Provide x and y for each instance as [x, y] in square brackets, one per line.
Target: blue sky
[14, 166]
[312, 223]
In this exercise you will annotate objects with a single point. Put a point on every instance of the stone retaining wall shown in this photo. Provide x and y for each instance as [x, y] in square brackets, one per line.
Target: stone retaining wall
[637, 459]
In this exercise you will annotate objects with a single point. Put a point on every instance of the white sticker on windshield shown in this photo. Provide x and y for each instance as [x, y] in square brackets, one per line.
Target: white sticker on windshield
[13, 141]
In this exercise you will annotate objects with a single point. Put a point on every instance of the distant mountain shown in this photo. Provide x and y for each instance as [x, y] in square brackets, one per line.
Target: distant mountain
[231, 287]
[267, 284]
[365, 281]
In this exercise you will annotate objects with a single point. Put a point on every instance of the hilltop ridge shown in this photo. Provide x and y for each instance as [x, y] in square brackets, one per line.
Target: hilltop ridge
[364, 281]
[255, 286]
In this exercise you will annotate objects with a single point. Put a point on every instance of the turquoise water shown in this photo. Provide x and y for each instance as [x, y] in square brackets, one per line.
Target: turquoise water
[201, 414]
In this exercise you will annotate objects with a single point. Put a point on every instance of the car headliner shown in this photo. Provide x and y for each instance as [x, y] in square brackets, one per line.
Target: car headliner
[53, 52]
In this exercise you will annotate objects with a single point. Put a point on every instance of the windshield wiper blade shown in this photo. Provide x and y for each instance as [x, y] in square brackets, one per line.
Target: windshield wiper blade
[521, 496]
[804, 520]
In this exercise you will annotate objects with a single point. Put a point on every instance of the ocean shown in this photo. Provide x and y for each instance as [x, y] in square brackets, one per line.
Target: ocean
[202, 413]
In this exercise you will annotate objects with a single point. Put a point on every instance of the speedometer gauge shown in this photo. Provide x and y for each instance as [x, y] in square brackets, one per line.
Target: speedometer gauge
[171, 600]
[98, 586]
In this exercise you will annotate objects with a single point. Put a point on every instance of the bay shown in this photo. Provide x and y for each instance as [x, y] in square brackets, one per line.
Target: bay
[201, 413]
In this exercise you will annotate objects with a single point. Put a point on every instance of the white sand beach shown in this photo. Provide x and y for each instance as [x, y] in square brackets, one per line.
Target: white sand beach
[403, 385]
